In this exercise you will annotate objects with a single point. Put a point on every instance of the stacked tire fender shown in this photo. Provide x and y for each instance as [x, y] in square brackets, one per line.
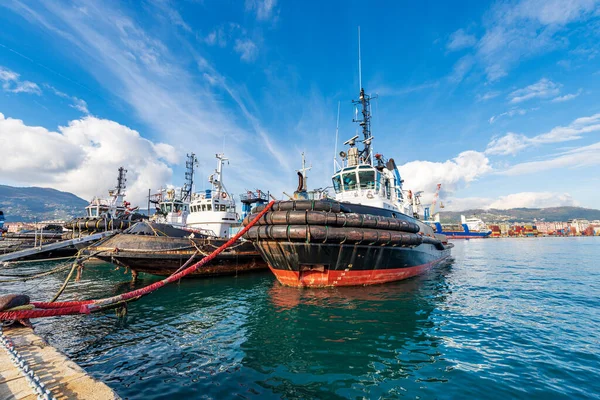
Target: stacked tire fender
[328, 222]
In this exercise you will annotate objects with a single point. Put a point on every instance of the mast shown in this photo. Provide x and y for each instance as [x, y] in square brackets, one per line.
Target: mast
[121, 182]
[365, 122]
[302, 171]
[186, 190]
[337, 130]
[218, 181]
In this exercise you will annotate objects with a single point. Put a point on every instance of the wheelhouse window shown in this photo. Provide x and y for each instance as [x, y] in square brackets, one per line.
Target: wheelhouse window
[366, 179]
[203, 207]
[349, 179]
[337, 183]
[209, 207]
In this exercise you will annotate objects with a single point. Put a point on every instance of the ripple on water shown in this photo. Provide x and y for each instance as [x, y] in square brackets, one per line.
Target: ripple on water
[508, 319]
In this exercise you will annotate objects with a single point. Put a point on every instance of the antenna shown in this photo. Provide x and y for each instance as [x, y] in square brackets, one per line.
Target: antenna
[359, 66]
[337, 130]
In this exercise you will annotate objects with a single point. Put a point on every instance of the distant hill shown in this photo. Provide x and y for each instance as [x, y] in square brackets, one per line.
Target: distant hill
[524, 214]
[30, 203]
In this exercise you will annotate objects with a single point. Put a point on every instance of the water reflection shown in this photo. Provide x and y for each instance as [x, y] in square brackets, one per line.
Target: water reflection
[351, 341]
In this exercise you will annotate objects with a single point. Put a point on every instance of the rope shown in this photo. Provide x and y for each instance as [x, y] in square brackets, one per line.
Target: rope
[28, 277]
[184, 266]
[198, 249]
[48, 309]
[76, 263]
[11, 263]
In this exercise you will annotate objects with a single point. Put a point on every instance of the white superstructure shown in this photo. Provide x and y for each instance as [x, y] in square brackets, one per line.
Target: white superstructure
[170, 209]
[366, 178]
[173, 208]
[474, 224]
[114, 206]
[214, 209]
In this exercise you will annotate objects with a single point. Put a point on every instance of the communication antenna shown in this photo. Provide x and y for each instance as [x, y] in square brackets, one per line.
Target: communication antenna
[359, 63]
[337, 130]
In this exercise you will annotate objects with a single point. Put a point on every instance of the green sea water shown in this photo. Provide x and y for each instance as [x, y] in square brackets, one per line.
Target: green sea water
[508, 318]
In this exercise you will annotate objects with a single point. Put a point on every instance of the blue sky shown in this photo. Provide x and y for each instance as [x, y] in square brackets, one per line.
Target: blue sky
[495, 100]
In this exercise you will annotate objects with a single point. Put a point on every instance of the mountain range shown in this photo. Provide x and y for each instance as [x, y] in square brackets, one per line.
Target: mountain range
[524, 214]
[28, 204]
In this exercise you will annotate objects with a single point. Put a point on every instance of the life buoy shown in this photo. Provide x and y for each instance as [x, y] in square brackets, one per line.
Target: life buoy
[224, 195]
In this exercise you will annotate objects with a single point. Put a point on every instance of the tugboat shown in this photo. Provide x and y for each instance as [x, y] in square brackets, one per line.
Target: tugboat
[107, 214]
[368, 235]
[214, 210]
[170, 208]
[162, 249]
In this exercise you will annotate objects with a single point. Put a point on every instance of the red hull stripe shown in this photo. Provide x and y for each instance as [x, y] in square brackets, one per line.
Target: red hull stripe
[348, 277]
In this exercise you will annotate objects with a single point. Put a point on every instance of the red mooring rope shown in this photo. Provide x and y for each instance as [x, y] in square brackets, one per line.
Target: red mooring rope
[44, 309]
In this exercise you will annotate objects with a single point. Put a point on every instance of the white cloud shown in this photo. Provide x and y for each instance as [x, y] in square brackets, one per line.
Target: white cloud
[488, 96]
[542, 89]
[11, 82]
[586, 156]
[460, 40]
[390, 91]
[452, 174]
[515, 200]
[511, 113]
[83, 157]
[461, 68]
[265, 9]
[512, 143]
[247, 49]
[533, 200]
[566, 97]
[77, 103]
[517, 30]
[179, 105]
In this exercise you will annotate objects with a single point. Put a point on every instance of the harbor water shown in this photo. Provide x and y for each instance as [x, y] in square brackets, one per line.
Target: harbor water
[508, 318]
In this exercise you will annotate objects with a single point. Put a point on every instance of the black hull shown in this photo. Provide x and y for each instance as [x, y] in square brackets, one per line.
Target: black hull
[159, 255]
[327, 243]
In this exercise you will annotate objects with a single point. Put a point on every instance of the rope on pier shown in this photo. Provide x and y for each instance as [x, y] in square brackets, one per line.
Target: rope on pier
[48, 309]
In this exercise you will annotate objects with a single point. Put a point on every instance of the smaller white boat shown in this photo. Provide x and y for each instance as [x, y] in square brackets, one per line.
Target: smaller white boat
[214, 209]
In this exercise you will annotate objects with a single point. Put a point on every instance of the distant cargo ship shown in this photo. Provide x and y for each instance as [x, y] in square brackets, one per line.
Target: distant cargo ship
[469, 228]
